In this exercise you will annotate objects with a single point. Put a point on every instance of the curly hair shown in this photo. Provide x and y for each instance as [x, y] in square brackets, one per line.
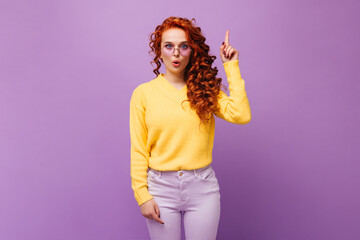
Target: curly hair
[203, 87]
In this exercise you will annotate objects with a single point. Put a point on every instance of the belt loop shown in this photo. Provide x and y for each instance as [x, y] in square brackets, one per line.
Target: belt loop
[158, 173]
[195, 172]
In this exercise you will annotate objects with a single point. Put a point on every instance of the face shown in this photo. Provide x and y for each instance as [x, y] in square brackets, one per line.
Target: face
[175, 47]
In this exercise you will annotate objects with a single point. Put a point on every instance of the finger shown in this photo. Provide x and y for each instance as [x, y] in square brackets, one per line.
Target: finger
[227, 47]
[156, 218]
[157, 211]
[222, 47]
[157, 214]
[223, 52]
[227, 37]
[231, 52]
[228, 51]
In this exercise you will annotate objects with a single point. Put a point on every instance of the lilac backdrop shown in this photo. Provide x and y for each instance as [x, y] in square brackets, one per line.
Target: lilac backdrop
[67, 71]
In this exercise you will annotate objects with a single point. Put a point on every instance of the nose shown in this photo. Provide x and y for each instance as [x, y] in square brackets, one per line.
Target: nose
[176, 51]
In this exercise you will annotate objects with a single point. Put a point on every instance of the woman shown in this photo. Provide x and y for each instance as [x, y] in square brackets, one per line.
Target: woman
[172, 129]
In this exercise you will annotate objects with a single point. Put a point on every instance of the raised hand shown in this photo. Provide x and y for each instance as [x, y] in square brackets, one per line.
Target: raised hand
[227, 52]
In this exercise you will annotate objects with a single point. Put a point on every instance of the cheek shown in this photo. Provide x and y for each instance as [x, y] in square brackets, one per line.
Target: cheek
[166, 59]
[188, 60]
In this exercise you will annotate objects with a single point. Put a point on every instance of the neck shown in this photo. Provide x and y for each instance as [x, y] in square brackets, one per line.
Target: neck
[175, 78]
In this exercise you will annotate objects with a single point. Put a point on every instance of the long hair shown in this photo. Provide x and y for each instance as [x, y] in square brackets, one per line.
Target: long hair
[203, 87]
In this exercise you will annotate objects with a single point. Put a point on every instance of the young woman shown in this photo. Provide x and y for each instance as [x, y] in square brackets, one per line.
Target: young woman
[172, 129]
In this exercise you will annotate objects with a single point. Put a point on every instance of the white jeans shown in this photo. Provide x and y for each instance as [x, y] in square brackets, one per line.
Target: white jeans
[193, 193]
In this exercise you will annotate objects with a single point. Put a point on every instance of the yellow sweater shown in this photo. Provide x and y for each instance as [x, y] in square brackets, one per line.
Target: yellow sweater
[166, 135]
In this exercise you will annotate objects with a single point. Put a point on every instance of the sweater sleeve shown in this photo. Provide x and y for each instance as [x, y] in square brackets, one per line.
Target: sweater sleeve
[234, 108]
[138, 153]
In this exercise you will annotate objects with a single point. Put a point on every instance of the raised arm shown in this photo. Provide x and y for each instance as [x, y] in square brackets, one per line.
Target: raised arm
[139, 154]
[234, 108]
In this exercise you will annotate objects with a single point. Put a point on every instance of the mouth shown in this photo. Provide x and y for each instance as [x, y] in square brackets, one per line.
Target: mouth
[176, 63]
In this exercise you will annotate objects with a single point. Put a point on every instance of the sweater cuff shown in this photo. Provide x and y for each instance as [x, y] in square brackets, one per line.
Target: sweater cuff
[232, 68]
[142, 195]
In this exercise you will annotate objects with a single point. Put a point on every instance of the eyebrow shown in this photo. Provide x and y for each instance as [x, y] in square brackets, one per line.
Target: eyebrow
[180, 42]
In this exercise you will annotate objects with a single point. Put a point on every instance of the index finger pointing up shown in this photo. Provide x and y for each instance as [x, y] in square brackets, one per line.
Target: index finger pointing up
[227, 37]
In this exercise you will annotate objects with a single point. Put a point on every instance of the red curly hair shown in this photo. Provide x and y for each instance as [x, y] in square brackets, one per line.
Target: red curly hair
[203, 87]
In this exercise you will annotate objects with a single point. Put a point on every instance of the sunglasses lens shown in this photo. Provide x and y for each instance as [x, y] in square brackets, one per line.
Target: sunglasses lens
[169, 50]
[185, 52]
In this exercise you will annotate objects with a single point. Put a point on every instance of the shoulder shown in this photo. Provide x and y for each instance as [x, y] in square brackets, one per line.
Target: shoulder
[143, 90]
[146, 87]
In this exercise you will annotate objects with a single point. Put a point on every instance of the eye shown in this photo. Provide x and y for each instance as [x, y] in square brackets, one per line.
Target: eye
[184, 46]
[169, 46]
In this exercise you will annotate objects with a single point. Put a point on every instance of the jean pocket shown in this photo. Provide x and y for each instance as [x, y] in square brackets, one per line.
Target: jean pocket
[151, 175]
[208, 174]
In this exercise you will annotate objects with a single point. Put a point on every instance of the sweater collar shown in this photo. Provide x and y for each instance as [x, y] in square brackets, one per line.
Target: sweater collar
[169, 90]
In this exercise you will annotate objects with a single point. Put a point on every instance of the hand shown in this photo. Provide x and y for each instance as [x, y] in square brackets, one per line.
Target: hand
[150, 210]
[227, 52]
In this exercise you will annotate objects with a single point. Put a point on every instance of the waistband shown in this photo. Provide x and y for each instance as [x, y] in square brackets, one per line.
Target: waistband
[181, 172]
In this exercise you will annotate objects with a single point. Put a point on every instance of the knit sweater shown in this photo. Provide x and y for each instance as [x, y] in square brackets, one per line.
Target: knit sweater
[165, 133]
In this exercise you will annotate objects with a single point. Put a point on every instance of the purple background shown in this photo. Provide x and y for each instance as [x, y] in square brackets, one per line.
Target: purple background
[67, 72]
